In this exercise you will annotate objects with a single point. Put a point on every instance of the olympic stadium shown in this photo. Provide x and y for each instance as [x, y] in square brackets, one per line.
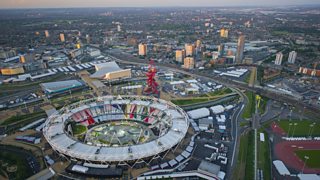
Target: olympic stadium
[119, 130]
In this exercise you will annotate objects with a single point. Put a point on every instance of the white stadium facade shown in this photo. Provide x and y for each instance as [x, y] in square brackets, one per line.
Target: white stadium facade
[169, 122]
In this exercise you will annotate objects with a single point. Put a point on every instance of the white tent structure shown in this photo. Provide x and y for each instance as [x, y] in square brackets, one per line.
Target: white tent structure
[199, 113]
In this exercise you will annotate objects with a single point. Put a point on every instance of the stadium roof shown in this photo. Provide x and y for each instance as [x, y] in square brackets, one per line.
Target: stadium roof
[60, 141]
[105, 68]
[281, 168]
[53, 87]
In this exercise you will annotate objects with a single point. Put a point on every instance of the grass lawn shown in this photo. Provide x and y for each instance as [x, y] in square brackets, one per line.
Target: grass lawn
[264, 161]
[11, 158]
[249, 171]
[250, 107]
[314, 157]
[25, 117]
[263, 104]
[79, 129]
[181, 102]
[301, 129]
[220, 92]
[244, 166]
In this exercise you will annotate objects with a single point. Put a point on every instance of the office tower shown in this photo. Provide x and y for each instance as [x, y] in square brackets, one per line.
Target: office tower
[46, 33]
[142, 49]
[88, 39]
[62, 39]
[189, 49]
[292, 57]
[221, 49]
[224, 33]
[278, 60]
[240, 49]
[118, 28]
[22, 59]
[78, 45]
[188, 63]
[198, 43]
[180, 55]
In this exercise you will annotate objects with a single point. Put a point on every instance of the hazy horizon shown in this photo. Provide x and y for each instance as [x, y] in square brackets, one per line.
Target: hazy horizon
[13, 4]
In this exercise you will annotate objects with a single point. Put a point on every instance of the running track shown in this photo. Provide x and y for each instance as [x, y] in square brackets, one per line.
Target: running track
[285, 152]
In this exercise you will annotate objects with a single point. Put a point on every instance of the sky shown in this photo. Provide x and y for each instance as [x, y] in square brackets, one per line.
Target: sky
[146, 3]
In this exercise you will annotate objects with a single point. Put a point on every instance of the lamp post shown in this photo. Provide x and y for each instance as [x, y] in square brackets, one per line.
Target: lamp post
[305, 162]
[289, 129]
[294, 128]
[311, 129]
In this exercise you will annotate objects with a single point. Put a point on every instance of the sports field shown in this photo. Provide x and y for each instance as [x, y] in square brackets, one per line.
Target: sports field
[300, 128]
[313, 155]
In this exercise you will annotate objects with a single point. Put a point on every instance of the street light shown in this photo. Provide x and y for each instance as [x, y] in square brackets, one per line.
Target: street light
[311, 129]
[305, 162]
[294, 128]
[289, 129]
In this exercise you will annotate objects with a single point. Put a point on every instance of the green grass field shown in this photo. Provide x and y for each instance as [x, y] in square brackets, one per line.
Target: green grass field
[301, 129]
[220, 92]
[264, 161]
[78, 129]
[244, 166]
[12, 158]
[263, 104]
[26, 117]
[314, 157]
[250, 107]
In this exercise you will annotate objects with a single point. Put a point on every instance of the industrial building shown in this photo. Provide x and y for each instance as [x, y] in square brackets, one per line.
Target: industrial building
[60, 87]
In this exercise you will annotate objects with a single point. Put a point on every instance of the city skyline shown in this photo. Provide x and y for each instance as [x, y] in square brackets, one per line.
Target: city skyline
[145, 3]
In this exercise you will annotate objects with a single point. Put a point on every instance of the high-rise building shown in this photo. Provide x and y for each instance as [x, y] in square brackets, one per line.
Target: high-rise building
[188, 63]
[142, 49]
[189, 49]
[46, 33]
[78, 45]
[88, 38]
[224, 33]
[240, 49]
[279, 57]
[292, 57]
[198, 43]
[221, 49]
[22, 59]
[180, 55]
[118, 27]
[62, 39]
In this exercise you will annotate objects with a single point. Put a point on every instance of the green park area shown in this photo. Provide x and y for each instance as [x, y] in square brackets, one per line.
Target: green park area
[182, 102]
[313, 156]
[13, 166]
[250, 107]
[300, 128]
[203, 98]
[26, 118]
[263, 105]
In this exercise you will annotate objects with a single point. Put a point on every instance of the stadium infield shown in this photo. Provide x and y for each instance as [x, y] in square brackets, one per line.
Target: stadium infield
[286, 152]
